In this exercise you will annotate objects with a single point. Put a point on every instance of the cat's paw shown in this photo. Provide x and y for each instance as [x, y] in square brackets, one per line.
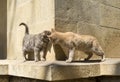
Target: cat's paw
[68, 61]
[102, 60]
[24, 60]
[85, 59]
[36, 60]
[42, 59]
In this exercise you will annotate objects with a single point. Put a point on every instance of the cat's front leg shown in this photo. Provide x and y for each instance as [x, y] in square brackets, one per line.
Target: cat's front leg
[71, 55]
[36, 54]
[42, 54]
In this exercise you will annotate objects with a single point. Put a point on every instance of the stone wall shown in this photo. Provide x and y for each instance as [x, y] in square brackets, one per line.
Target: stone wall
[99, 18]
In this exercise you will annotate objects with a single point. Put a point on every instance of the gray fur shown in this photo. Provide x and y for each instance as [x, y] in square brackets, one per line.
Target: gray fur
[37, 44]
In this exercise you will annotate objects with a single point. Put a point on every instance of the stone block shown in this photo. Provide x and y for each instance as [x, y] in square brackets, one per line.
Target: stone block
[60, 71]
[3, 69]
[109, 16]
[65, 25]
[77, 10]
[4, 78]
[112, 3]
[110, 67]
[31, 70]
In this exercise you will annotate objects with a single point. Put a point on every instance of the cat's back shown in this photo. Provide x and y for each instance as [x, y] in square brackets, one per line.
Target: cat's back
[84, 39]
[70, 34]
[28, 42]
[87, 37]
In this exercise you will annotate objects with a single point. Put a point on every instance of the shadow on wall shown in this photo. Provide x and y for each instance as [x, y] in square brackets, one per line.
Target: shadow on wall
[117, 69]
[3, 29]
[59, 53]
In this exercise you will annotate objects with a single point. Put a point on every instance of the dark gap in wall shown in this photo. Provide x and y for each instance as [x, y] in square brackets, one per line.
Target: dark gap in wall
[3, 29]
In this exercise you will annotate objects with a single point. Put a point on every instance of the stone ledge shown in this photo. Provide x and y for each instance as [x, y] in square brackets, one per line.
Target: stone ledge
[59, 70]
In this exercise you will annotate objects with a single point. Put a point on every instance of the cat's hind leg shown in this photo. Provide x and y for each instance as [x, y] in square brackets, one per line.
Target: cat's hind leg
[90, 54]
[71, 55]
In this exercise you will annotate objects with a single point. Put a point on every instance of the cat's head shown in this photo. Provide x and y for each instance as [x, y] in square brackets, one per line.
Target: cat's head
[45, 35]
[53, 36]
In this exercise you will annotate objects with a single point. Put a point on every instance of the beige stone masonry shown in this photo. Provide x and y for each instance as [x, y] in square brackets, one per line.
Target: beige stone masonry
[59, 70]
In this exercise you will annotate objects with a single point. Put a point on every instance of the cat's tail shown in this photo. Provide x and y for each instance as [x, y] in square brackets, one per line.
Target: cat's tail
[26, 27]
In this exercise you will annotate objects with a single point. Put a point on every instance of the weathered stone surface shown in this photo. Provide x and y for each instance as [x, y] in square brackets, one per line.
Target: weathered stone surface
[63, 25]
[109, 16]
[53, 70]
[3, 69]
[110, 67]
[74, 71]
[68, 13]
[77, 10]
[112, 45]
[109, 38]
[4, 78]
[31, 70]
[60, 70]
[112, 3]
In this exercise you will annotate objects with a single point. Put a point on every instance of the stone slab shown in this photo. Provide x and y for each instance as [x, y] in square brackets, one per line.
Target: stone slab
[3, 69]
[60, 70]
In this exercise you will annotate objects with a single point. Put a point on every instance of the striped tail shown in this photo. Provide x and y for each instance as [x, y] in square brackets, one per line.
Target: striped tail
[26, 27]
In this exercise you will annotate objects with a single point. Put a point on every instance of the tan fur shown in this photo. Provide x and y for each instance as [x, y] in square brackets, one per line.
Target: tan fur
[73, 41]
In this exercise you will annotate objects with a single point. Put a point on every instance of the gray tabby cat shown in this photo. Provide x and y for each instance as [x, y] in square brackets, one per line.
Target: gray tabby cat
[36, 44]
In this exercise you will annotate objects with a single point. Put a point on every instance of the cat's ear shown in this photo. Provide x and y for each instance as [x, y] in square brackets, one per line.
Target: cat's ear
[53, 30]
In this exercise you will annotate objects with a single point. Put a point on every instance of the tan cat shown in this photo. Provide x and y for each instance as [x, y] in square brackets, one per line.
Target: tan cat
[73, 41]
